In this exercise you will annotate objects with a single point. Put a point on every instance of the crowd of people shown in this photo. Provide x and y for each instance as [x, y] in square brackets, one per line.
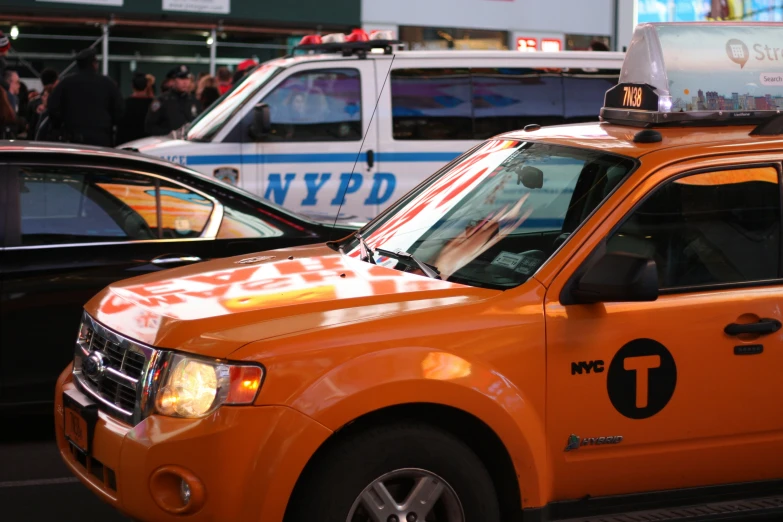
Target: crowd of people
[86, 107]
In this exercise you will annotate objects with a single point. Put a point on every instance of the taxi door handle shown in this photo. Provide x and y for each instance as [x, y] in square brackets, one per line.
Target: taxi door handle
[763, 326]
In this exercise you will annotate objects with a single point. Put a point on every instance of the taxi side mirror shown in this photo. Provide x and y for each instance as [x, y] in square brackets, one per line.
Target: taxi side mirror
[617, 277]
[262, 122]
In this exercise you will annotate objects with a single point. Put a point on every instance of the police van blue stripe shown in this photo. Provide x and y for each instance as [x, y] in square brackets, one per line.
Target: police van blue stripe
[334, 157]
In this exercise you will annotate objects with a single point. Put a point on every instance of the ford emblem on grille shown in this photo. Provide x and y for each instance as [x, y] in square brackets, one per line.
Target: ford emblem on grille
[94, 366]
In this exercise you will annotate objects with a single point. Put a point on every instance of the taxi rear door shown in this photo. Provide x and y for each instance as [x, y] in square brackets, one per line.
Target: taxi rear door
[683, 391]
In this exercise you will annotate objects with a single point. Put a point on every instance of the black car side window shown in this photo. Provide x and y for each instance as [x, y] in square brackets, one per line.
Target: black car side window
[65, 206]
[709, 228]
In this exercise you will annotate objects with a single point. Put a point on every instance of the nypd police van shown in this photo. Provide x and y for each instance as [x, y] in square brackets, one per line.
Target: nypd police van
[351, 126]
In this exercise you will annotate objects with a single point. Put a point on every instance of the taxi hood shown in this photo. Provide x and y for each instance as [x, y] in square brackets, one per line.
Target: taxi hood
[214, 308]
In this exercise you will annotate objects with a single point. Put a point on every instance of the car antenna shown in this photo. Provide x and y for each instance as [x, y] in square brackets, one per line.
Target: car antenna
[361, 146]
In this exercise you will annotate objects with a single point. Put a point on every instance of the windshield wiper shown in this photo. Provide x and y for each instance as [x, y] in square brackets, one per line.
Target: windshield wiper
[411, 261]
[366, 252]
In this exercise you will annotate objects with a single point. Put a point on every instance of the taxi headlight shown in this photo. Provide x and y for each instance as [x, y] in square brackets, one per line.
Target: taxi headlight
[193, 387]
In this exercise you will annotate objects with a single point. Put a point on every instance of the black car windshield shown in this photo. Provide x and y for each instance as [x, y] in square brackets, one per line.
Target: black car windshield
[210, 122]
[496, 215]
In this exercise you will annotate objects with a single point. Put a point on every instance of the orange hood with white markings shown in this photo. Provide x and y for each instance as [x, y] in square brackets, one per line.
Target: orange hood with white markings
[214, 308]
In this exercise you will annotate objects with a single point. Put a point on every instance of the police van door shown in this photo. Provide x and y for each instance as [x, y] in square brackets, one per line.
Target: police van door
[320, 116]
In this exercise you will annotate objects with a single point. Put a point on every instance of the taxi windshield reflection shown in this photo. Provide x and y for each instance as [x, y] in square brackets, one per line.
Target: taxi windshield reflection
[497, 215]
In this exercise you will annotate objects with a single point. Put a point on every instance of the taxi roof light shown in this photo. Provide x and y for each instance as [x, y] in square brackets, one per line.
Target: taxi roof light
[697, 74]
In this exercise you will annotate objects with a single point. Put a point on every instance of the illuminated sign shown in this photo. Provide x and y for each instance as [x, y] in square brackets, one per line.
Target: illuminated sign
[725, 72]
[631, 96]
[527, 44]
[551, 45]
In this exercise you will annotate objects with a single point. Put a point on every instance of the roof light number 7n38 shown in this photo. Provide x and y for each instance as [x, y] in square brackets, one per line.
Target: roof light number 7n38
[632, 96]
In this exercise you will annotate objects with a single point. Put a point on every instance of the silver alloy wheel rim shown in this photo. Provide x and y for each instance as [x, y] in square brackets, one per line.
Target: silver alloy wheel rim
[407, 495]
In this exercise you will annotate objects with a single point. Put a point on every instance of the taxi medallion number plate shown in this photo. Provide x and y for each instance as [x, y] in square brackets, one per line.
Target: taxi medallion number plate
[76, 429]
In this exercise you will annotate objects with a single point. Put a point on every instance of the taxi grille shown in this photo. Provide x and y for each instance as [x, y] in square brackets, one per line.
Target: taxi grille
[119, 384]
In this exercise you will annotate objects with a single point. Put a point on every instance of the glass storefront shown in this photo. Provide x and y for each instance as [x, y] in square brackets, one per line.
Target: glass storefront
[443, 38]
[701, 10]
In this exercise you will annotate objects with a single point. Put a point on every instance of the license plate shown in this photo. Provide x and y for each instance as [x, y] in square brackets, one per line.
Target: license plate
[76, 429]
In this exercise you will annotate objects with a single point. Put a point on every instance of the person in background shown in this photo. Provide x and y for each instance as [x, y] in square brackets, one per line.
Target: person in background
[242, 69]
[174, 108]
[86, 105]
[223, 80]
[192, 85]
[49, 79]
[11, 78]
[150, 85]
[23, 100]
[5, 46]
[208, 96]
[205, 81]
[136, 106]
[8, 122]
[166, 85]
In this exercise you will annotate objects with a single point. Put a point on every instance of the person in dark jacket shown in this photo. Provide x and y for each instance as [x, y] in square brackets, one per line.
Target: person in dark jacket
[49, 78]
[174, 108]
[136, 106]
[87, 105]
[5, 46]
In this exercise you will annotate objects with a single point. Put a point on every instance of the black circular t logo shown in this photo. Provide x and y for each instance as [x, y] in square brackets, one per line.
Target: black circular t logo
[641, 378]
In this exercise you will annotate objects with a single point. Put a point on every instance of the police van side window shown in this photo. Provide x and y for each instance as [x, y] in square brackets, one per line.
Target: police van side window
[462, 104]
[317, 105]
[431, 104]
[583, 93]
[709, 228]
[509, 99]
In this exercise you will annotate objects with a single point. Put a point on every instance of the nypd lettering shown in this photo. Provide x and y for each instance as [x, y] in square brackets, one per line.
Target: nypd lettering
[381, 190]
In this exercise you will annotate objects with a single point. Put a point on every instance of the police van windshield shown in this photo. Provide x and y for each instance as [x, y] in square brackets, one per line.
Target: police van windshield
[210, 122]
[496, 215]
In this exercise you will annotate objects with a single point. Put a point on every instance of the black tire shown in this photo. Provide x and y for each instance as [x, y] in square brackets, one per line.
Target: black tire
[331, 484]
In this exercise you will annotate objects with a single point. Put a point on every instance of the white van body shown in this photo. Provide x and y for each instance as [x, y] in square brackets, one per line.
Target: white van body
[364, 131]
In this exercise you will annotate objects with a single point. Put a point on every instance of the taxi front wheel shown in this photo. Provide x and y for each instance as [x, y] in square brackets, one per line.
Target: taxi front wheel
[410, 473]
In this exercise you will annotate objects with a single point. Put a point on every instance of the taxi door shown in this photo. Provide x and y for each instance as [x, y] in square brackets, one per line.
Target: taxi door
[681, 391]
[323, 143]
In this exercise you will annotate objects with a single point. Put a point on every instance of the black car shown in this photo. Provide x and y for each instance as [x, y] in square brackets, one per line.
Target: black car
[75, 219]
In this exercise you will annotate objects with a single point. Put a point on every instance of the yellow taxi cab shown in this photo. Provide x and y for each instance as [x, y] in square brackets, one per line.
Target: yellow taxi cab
[575, 322]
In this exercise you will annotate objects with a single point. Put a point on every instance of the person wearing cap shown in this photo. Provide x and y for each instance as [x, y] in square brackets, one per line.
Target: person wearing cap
[174, 108]
[86, 106]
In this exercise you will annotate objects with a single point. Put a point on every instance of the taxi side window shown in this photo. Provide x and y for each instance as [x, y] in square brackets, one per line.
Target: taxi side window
[710, 228]
[317, 105]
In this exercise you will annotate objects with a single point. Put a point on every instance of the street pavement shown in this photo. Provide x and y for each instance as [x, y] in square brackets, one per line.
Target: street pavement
[35, 485]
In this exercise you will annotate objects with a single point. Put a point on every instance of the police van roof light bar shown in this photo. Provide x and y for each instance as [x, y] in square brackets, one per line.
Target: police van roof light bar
[358, 43]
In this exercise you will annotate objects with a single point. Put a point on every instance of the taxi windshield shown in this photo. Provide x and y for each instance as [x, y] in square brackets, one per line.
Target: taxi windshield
[211, 121]
[493, 217]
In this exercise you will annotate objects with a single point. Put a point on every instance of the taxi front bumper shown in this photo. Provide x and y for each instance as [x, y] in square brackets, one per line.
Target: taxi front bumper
[243, 461]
